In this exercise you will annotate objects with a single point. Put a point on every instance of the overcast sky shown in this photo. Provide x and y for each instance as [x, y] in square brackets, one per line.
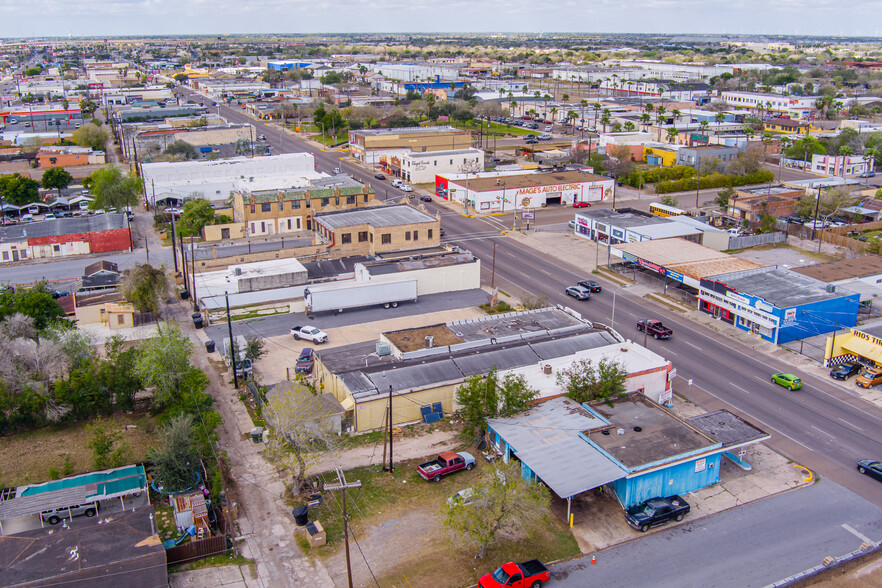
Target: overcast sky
[30, 18]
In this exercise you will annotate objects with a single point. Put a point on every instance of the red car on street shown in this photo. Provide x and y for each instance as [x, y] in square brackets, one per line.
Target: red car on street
[581, 204]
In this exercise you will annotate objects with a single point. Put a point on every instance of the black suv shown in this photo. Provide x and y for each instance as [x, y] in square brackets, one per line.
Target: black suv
[845, 371]
[593, 286]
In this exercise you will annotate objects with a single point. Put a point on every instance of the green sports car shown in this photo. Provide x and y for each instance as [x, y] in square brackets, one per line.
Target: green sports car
[789, 381]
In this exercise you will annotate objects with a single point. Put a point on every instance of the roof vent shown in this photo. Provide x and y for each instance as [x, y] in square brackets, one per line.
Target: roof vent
[546, 369]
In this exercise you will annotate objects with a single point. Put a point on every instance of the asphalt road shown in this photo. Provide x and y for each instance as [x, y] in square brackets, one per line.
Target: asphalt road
[282, 324]
[754, 545]
[821, 426]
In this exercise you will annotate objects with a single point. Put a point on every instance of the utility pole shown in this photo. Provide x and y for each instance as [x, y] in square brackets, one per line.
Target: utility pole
[343, 486]
[389, 414]
[174, 249]
[815, 223]
[183, 262]
[233, 346]
[493, 268]
[193, 281]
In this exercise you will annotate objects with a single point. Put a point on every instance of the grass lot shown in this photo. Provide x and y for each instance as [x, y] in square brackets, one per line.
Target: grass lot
[342, 136]
[395, 519]
[26, 458]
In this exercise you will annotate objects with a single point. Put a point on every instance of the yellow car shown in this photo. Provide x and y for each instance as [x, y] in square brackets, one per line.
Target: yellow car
[870, 377]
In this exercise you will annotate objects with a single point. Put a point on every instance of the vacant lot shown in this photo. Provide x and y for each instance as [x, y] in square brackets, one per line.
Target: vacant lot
[395, 519]
[27, 458]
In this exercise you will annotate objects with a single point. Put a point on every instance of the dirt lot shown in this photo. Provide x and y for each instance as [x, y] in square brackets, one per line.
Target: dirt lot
[48, 447]
[415, 339]
[395, 520]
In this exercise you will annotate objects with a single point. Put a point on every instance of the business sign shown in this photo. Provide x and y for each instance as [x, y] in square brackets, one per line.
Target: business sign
[527, 215]
[790, 314]
[628, 256]
[546, 189]
[738, 298]
[17, 77]
[865, 336]
[674, 275]
[766, 307]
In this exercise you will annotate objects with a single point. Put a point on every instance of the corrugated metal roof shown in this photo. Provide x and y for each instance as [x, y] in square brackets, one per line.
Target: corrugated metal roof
[572, 344]
[501, 359]
[546, 438]
[63, 226]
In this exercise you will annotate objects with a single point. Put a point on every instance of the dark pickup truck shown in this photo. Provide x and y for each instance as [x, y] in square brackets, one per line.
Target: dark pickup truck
[656, 511]
[446, 463]
[528, 574]
[655, 328]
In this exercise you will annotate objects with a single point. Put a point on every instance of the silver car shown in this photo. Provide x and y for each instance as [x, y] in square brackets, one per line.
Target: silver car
[579, 293]
[54, 516]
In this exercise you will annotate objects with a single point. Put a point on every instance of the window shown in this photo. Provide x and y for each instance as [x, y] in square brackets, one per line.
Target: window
[365, 197]
[225, 233]
[281, 206]
[430, 234]
[5, 256]
[295, 204]
[346, 238]
[120, 319]
[56, 248]
[253, 209]
[266, 207]
[362, 236]
[336, 201]
[416, 235]
[326, 201]
[407, 235]
[386, 238]
[350, 200]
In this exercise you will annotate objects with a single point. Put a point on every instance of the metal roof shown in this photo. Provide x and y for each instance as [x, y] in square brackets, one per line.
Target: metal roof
[780, 287]
[546, 438]
[63, 226]
[375, 216]
[843, 269]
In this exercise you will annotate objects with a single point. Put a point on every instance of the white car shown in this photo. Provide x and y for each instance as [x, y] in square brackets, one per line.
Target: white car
[405, 188]
[310, 333]
[397, 182]
[548, 128]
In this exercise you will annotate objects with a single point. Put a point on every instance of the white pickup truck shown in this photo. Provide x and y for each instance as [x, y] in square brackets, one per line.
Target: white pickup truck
[310, 333]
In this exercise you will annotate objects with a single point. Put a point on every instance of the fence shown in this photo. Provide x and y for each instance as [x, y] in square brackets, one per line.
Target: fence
[754, 240]
[196, 550]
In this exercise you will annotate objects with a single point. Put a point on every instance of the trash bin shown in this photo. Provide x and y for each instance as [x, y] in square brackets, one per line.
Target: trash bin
[257, 434]
[185, 294]
[197, 320]
[209, 346]
[301, 516]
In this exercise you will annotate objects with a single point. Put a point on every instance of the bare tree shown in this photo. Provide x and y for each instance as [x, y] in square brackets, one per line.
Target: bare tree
[301, 430]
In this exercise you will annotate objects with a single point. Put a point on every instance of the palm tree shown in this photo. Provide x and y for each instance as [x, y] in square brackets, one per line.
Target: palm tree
[645, 119]
[719, 118]
[553, 114]
[596, 107]
[676, 114]
[649, 107]
[566, 97]
[629, 126]
[672, 134]
[660, 119]
[702, 126]
[605, 119]
[572, 115]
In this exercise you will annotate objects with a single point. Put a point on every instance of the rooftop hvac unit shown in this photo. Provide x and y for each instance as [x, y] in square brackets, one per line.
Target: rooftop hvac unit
[238, 271]
[620, 431]
[383, 348]
[831, 288]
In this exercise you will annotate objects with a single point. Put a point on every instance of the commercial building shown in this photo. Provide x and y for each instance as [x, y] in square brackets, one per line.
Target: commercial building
[863, 344]
[859, 274]
[421, 168]
[840, 165]
[149, 140]
[272, 212]
[786, 125]
[426, 364]
[219, 179]
[378, 146]
[779, 305]
[635, 446]
[749, 204]
[699, 155]
[56, 156]
[65, 237]
[378, 229]
[794, 106]
[627, 225]
[501, 192]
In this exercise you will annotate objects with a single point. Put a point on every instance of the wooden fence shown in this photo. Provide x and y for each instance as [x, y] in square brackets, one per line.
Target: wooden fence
[196, 550]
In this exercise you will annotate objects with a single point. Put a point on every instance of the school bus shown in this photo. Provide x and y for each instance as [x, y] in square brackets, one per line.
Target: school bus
[659, 209]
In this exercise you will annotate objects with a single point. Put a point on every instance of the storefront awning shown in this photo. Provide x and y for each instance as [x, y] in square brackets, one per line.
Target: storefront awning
[753, 317]
[859, 346]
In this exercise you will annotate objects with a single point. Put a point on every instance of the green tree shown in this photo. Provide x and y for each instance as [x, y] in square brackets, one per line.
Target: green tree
[17, 189]
[669, 200]
[255, 347]
[482, 397]
[196, 214]
[101, 441]
[90, 135]
[117, 372]
[56, 177]
[723, 197]
[503, 503]
[144, 286]
[112, 189]
[35, 302]
[832, 201]
[803, 149]
[586, 382]
[176, 460]
[164, 365]
[181, 150]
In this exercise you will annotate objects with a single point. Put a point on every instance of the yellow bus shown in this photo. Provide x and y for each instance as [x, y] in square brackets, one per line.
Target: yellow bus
[659, 209]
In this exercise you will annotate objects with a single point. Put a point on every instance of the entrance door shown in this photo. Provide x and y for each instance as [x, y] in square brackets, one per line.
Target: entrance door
[14, 255]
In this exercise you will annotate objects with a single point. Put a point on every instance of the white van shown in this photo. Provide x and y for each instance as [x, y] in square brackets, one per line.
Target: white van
[27, 218]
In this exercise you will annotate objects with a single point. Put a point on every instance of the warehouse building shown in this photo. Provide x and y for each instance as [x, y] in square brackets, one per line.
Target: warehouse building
[500, 192]
[64, 237]
[379, 146]
[426, 364]
[627, 225]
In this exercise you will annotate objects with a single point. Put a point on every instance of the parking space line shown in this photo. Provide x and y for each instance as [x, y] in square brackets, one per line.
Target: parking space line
[856, 533]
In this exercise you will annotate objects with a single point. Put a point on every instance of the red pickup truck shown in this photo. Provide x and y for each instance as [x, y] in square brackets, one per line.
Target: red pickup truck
[446, 463]
[655, 328]
[529, 574]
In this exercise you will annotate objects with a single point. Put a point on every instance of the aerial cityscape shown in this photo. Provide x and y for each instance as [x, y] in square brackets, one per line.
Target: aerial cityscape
[395, 309]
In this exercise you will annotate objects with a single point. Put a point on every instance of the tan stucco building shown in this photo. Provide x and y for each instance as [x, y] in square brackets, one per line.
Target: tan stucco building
[378, 229]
